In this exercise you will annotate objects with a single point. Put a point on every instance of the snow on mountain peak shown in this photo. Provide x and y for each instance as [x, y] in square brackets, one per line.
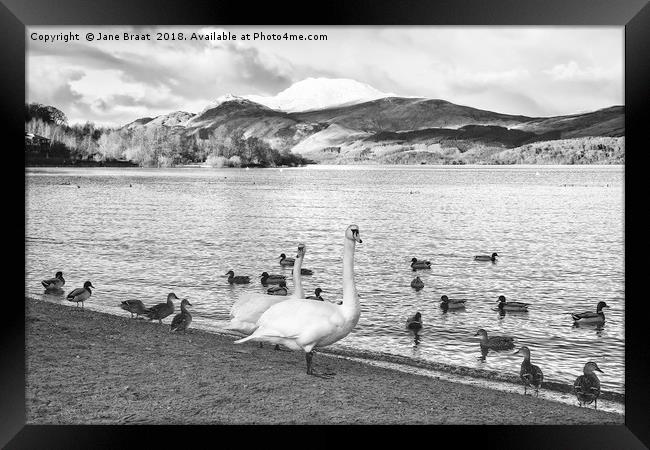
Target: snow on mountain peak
[222, 99]
[318, 93]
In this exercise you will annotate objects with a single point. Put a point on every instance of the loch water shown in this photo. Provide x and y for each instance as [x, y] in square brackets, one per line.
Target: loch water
[559, 230]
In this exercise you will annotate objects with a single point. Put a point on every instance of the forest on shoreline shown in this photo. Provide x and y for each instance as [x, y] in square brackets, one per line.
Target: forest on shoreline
[145, 147]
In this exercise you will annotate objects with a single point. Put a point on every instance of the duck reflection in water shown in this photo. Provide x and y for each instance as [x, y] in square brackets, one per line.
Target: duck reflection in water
[597, 327]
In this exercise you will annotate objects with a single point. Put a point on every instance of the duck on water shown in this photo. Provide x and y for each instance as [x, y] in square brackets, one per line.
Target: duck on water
[54, 283]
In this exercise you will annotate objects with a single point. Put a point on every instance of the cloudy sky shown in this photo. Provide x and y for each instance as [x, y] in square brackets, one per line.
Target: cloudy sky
[534, 71]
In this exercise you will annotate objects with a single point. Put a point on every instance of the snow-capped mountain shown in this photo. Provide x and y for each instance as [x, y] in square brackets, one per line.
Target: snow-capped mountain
[319, 93]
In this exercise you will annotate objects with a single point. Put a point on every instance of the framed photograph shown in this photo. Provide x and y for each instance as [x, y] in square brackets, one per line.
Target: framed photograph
[380, 214]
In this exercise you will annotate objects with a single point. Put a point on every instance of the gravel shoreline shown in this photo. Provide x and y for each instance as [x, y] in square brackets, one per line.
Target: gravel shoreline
[89, 367]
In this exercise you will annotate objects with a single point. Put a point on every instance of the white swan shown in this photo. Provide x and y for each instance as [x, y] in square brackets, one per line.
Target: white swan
[306, 325]
[249, 307]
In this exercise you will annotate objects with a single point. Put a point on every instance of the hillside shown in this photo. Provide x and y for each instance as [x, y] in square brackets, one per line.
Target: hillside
[346, 122]
[402, 114]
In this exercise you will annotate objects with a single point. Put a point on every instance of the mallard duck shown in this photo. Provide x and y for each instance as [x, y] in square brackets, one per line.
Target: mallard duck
[420, 264]
[414, 322]
[81, 294]
[240, 279]
[284, 261]
[447, 303]
[492, 258]
[301, 325]
[280, 289]
[495, 342]
[304, 272]
[161, 310]
[530, 374]
[134, 307]
[182, 320]
[54, 283]
[587, 386]
[317, 295]
[511, 306]
[417, 283]
[271, 279]
[590, 316]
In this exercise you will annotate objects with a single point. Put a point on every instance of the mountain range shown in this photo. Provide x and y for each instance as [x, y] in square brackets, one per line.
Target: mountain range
[344, 121]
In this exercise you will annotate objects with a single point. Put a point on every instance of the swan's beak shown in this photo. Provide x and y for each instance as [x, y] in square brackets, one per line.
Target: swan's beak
[355, 236]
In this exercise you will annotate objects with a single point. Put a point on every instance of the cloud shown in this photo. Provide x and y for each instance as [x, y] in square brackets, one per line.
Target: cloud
[572, 71]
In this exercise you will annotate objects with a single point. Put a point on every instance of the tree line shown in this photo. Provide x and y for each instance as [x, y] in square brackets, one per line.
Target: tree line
[153, 146]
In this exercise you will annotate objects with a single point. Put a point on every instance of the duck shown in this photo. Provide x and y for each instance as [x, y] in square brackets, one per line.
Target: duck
[134, 307]
[587, 386]
[271, 279]
[495, 342]
[281, 289]
[54, 283]
[307, 326]
[304, 272]
[511, 306]
[182, 320]
[492, 257]
[316, 295]
[161, 310]
[81, 294]
[246, 311]
[414, 322]
[530, 374]
[417, 283]
[420, 264]
[447, 303]
[239, 279]
[597, 317]
[284, 261]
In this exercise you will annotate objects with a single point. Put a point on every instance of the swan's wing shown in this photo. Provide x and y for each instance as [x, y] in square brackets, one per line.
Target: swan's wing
[249, 308]
[295, 318]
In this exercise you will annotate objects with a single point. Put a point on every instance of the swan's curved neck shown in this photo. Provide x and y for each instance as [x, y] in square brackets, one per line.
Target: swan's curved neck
[350, 297]
[297, 277]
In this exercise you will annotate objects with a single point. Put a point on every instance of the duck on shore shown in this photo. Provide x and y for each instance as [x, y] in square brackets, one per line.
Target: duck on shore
[420, 264]
[587, 386]
[134, 307]
[511, 306]
[161, 310]
[492, 257]
[81, 294]
[239, 279]
[591, 317]
[54, 283]
[447, 303]
[530, 374]
[182, 320]
[495, 342]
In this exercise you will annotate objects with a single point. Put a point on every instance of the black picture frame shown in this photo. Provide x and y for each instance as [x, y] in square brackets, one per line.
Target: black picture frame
[634, 15]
